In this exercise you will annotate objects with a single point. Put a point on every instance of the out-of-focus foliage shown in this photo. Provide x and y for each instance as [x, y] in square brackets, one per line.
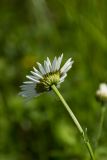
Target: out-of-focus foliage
[31, 30]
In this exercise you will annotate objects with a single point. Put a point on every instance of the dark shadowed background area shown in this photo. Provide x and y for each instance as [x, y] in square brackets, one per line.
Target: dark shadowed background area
[31, 30]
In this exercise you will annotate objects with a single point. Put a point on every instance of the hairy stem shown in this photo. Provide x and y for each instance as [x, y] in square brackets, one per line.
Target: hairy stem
[85, 138]
[103, 110]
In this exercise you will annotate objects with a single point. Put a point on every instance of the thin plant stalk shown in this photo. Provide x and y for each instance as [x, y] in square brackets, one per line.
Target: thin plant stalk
[85, 138]
[103, 110]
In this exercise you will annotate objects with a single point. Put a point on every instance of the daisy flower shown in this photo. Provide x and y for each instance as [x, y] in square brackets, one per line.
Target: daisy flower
[48, 77]
[101, 93]
[40, 80]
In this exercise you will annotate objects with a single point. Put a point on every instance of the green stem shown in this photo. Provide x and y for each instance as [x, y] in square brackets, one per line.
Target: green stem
[86, 141]
[103, 110]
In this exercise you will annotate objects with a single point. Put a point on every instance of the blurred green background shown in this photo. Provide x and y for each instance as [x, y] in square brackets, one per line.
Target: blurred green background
[31, 30]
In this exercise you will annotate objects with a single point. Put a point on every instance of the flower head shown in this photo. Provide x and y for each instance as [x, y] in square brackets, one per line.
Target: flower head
[101, 93]
[45, 76]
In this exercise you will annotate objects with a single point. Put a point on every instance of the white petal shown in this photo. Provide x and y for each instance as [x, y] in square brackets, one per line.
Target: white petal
[34, 77]
[37, 75]
[41, 68]
[54, 64]
[46, 66]
[68, 63]
[59, 62]
[28, 94]
[28, 86]
[37, 71]
[63, 77]
[28, 91]
[61, 81]
[67, 69]
[49, 63]
[28, 82]
[34, 80]
[65, 66]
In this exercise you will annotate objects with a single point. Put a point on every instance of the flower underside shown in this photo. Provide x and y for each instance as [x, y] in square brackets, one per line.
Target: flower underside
[41, 79]
[48, 80]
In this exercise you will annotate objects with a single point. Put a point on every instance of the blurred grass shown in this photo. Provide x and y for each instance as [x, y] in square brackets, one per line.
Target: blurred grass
[29, 32]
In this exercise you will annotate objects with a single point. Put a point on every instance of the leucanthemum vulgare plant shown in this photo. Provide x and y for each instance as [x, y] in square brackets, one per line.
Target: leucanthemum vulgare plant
[101, 96]
[49, 77]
